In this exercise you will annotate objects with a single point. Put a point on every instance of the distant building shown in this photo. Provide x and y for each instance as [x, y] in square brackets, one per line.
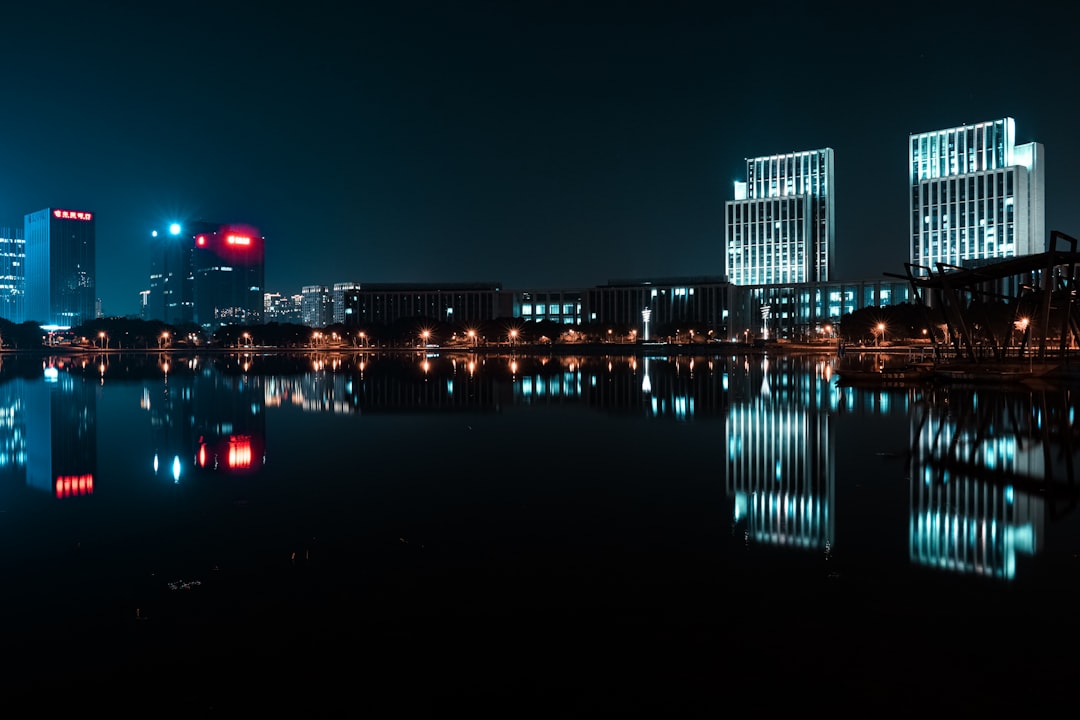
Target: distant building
[282, 308]
[316, 306]
[781, 226]
[338, 299]
[60, 267]
[559, 306]
[12, 275]
[385, 303]
[663, 306]
[975, 195]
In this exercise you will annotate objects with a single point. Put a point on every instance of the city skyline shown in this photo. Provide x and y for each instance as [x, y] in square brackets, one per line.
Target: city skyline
[554, 146]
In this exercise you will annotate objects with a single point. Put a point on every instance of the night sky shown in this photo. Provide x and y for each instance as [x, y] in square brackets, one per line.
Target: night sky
[540, 145]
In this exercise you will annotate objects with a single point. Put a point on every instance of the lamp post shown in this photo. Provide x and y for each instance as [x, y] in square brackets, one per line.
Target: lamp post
[103, 340]
[514, 334]
[1025, 327]
[881, 333]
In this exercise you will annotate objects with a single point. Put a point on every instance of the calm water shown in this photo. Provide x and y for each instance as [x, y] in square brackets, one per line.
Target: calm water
[551, 536]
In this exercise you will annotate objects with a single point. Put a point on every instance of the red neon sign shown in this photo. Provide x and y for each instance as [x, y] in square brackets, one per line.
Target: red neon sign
[72, 215]
[201, 240]
[237, 240]
[69, 485]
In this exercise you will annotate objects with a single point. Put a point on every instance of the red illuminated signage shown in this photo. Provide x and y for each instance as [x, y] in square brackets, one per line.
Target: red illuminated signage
[72, 215]
[201, 240]
[69, 485]
[237, 240]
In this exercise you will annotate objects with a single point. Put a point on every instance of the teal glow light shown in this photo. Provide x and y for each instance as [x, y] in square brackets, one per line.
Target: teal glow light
[174, 229]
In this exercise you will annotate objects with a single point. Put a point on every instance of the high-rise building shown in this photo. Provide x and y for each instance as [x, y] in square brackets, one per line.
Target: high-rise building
[781, 226]
[12, 275]
[60, 267]
[975, 195]
[228, 270]
[172, 281]
[316, 306]
[340, 307]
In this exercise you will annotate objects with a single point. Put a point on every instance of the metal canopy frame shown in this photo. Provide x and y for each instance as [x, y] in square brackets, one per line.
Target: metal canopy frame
[953, 287]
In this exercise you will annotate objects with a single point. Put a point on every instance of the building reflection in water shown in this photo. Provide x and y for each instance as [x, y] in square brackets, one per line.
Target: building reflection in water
[373, 383]
[229, 417]
[779, 455]
[49, 429]
[986, 467]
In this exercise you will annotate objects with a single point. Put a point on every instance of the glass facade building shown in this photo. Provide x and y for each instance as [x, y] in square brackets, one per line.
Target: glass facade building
[12, 275]
[781, 226]
[316, 306]
[975, 195]
[60, 267]
[171, 297]
[340, 307]
[228, 273]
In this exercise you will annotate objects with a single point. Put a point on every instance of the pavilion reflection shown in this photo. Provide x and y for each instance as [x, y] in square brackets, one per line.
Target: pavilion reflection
[988, 469]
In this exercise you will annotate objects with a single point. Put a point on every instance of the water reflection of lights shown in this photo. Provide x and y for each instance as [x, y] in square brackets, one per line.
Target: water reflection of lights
[70, 485]
[176, 467]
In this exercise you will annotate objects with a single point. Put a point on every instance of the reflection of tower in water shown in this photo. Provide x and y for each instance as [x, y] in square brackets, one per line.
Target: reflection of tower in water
[779, 465]
[61, 438]
[170, 404]
[229, 422]
[979, 474]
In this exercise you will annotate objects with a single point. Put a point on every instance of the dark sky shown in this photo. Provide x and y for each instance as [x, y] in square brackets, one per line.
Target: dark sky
[554, 144]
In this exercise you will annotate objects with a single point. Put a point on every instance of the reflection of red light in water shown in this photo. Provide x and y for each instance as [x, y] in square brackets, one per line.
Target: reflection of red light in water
[69, 485]
[239, 451]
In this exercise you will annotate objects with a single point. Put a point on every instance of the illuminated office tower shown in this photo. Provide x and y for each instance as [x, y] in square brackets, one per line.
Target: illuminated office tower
[172, 279]
[339, 304]
[228, 272]
[781, 226]
[60, 267]
[316, 306]
[12, 275]
[975, 195]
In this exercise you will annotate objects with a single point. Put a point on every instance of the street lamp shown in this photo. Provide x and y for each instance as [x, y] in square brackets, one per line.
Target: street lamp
[424, 337]
[103, 340]
[472, 337]
[1024, 325]
[164, 340]
[881, 332]
[514, 334]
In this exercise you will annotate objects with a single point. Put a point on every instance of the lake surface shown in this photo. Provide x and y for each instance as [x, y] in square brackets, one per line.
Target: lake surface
[419, 534]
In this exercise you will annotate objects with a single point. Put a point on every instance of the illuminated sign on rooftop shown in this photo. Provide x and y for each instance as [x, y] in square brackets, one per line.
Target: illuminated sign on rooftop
[72, 215]
[237, 239]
